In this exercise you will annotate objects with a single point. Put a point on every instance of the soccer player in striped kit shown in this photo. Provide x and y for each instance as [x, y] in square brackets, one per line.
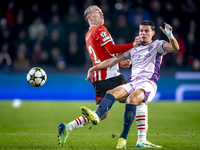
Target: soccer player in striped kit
[100, 46]
[146, 60]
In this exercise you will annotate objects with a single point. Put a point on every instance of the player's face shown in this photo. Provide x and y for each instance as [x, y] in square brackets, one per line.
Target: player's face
[146, 34]
[96, 16]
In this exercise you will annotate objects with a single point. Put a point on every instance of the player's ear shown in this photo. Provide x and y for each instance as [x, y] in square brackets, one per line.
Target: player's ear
[89, 18]
[154, 33]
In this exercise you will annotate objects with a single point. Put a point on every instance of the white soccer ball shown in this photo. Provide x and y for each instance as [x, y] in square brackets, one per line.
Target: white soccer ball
[36, 77]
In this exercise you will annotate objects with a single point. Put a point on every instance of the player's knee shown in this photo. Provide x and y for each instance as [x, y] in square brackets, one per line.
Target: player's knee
[136, 98]
[134, 101]
[110, 92]
[105, 115]
[131, 101]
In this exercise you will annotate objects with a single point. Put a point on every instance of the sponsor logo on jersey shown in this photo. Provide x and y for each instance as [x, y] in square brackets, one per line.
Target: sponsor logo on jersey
[108, 37]
[141, 55]
[103, 34]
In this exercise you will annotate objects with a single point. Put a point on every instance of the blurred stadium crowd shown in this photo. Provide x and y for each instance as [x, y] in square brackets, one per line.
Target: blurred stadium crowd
[52, 33]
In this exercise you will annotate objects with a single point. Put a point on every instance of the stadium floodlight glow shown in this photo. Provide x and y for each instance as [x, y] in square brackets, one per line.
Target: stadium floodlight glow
[118, 6]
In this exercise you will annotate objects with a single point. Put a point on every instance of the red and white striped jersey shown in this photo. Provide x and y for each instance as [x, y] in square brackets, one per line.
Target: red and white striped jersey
[96, 38]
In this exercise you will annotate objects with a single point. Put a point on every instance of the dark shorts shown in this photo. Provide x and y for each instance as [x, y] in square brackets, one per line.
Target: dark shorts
[101, 87]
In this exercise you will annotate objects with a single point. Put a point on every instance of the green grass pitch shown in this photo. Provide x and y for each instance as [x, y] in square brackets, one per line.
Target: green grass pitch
[35, 125]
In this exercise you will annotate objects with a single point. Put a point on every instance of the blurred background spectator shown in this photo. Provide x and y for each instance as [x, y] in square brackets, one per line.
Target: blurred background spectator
[57, 59]
[22, 59]
[5, 58]
[52, 33]
[35, 27]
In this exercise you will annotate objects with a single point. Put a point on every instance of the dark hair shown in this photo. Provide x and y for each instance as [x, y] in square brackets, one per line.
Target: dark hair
[148, 23]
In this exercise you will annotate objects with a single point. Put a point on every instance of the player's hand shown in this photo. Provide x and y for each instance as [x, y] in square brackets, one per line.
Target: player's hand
[89, 74]
[125, 64]
[167, 31]
[167, 26]
[137, 41]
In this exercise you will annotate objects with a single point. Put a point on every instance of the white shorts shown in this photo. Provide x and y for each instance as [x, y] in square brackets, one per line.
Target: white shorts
[148, 86]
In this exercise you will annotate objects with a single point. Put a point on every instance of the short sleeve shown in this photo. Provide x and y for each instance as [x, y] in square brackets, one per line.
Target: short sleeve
[102, 35]
[161, 48]
[127, 54]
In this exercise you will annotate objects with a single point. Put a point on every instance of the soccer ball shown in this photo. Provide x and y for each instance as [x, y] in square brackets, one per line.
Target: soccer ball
[36, 77]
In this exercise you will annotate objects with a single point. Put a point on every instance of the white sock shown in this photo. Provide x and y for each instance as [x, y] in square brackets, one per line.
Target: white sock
[77, 123]
[141, 120]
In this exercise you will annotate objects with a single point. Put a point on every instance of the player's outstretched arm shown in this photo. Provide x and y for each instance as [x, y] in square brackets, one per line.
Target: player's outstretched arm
[113, 49]
[105, 64]
[173, 45]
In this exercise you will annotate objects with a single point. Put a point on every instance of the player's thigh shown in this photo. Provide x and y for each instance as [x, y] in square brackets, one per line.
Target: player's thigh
[149, 88]
[136, 97]
[119, 93]
[144, 92]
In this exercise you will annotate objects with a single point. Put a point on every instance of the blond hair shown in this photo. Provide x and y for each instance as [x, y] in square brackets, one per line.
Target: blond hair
[88, 11]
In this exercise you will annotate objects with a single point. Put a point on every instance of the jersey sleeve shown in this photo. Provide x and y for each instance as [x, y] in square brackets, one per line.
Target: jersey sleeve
[113, 49]
[127, 54]
[102, 35]
[105, 40]
[161, 48]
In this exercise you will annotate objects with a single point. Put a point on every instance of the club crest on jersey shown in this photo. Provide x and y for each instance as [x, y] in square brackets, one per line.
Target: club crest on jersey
[150, 48]
[103, 34]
